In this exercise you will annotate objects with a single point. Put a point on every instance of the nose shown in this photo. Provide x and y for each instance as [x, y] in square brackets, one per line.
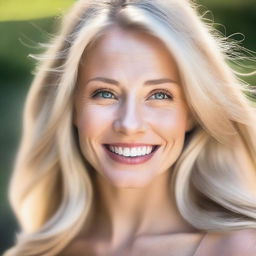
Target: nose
[130, 120]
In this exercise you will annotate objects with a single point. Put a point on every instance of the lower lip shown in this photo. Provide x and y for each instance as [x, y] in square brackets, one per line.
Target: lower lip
[129, 160]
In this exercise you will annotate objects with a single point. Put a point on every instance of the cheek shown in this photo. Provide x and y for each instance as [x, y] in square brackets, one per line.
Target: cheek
[169, 122]
[92, 120]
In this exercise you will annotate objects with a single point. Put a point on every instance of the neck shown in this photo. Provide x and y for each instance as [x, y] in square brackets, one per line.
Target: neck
[121, 214]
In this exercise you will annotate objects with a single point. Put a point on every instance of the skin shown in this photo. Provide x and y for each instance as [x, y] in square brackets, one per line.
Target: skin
[130, 196]
[134, 211]
[133, 114]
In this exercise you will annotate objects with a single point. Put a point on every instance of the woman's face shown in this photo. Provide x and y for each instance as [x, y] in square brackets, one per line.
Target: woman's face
[129, 108]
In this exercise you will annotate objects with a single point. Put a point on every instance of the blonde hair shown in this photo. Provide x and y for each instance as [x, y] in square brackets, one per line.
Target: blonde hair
[51, 191]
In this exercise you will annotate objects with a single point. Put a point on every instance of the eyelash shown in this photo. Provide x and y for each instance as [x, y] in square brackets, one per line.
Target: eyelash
[163, 91]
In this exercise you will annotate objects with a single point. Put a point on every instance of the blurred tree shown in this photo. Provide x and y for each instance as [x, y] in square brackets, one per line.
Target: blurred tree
[32, 9]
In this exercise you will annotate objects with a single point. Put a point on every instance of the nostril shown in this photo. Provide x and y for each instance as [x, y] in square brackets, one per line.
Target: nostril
[129, 126]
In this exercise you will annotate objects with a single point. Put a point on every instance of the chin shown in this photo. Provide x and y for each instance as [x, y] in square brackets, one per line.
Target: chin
[126, 179]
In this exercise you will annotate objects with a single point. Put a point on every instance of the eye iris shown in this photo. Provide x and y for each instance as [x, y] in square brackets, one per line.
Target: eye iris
[106, 94]
[160, 95]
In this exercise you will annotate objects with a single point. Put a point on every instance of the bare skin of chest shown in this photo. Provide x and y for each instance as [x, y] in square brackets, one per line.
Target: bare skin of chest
[182, 245]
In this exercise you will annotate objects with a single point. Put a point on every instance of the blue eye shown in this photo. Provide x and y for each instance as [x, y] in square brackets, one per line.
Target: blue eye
[161, 96]
[103, 94]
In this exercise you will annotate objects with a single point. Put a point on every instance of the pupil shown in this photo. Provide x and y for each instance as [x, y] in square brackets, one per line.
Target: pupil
[159, 95]
[107, 95]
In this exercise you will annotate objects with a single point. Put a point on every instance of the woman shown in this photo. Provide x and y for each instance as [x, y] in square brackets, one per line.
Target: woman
[137, 139]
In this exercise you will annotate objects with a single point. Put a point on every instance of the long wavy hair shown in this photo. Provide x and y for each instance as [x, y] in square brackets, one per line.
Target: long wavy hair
[51, 189]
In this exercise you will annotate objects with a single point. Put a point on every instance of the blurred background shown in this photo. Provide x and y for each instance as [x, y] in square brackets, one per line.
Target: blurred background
[23, 25]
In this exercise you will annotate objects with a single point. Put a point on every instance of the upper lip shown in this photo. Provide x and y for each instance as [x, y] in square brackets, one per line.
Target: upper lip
[130, 145]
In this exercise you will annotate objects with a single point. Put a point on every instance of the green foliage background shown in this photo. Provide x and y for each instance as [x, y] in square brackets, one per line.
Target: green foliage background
[31, 9]
[24, 24]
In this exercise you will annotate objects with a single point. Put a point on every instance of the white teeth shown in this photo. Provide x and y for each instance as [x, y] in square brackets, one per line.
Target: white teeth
[131, 152]
[119, 151]
[126, 152]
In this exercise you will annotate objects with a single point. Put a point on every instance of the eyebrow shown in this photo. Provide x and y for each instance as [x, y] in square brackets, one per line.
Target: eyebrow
[148, 82]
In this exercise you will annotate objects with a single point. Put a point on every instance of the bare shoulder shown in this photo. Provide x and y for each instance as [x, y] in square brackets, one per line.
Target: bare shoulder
[243, 242]
[235, 243]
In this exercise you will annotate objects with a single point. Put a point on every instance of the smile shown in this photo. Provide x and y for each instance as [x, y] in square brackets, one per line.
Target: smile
[128, 154]
[132, 151]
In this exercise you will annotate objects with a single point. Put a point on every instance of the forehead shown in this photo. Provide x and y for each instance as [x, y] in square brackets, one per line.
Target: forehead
[116, 38]
[130, 49]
